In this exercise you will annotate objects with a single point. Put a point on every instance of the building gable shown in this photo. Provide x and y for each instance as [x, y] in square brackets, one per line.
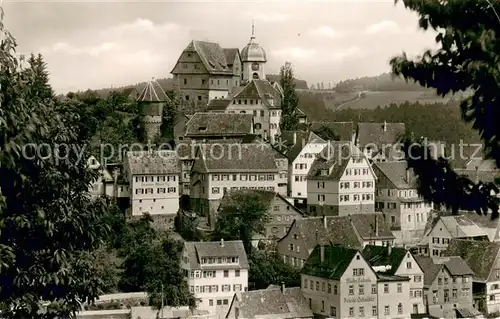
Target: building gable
[358, 261]
[189, 62]
[401, 269]
[439, 230]
[199, 162]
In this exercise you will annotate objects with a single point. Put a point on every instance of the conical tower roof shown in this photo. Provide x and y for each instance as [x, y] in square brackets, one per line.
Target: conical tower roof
[153, 93]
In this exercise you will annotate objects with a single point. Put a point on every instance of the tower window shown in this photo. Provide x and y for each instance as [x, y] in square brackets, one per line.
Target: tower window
[185, 81]
[218, 82]
[187, 97]
[256, 76]
[199, 97]
[203, 81]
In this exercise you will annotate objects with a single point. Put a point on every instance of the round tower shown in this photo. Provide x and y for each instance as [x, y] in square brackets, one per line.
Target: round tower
[152, 101]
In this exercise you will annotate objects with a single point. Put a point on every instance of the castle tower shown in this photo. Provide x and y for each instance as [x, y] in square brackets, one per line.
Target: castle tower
[151, 103]
[254, 59]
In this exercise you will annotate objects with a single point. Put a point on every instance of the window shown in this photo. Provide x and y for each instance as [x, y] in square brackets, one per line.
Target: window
[400, 288]
[335, 289]
[215, 190]
[351, 311]
[305, 283]
[400, 309]
[226, 273]
[361, 289]
[329, 288]
[219, 302]
[465, 280]
[387, 310]
[374, 289]
[417, 278]
[323, 287]
[386, 288]
[237, 273]
[333, 312]
[322, 306]
[374, 310]
[361, 311]
[351, 290]
[211, 302]
[408, 265]
[440, 281]
[454, 294]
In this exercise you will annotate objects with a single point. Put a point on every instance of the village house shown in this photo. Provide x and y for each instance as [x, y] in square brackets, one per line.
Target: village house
[154, 182]
[340, 182]
[104, 183]
[397, 198]
[344, 131]
[399, 262]
[218, 126]
[446, 228]
[379, 141]
[354, 231]
[338, 282]
[271, 303]
[232, 167]
[447, 287]
[214, 272]
[484, 259]
[301, 149]
[280, 212]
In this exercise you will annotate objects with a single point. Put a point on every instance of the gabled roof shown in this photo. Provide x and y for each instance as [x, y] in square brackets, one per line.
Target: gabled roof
[260, 89]
[273, 303]
[455, 265]
[252, 157]
[290, 149]
[338, 230]
[219, 124]
[333, 158]
[461, 226]
[385, 256]
[397, 173]
[371, 226]
[206, 249]
[231, 54]
[153, 162]
[218, 104]
[211, 55]
[336, 260]
[479, 255]
[153, 93]
[374, 133]
[345, 130]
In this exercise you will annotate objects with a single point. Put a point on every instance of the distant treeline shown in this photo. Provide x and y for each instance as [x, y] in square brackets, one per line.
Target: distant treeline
[383, 82]
[436, 121]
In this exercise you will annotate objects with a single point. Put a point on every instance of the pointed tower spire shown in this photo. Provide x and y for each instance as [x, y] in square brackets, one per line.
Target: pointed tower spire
[253, 29]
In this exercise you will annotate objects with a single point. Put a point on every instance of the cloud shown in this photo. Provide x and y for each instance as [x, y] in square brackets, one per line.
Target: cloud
[297, 53]
[65, 48]
[268, 17]
[140, 26]
[351, 52]
[386, 26]
[326, 31]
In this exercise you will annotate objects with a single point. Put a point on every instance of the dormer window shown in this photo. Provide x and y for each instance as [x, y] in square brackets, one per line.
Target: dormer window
[202, 128]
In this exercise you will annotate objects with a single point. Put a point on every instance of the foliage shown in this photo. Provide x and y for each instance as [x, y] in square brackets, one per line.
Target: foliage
[467, 59]
[186, 226]
[170, 115]
[299, 84]
[151, 262]
[289, 115]
[382, 82]
[268, 268]
[327, 134]
[242, 217]
[49, 226]
[38, 78]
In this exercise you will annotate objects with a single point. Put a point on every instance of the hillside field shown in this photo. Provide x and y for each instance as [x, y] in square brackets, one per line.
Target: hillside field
[385, 98]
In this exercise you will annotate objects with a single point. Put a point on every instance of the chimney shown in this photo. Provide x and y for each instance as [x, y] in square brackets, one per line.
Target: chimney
[408, 175]
[282, 287]
[294, 138]
[322, 253]
[385, 126]
[222, 242]
[324, 222]
[376, 225]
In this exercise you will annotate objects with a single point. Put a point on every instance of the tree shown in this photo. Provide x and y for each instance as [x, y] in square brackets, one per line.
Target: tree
[466, 60]
[327, 134]
[49, 226]
[267, 268]
[241, 217]
[289, 115]
[39, 79]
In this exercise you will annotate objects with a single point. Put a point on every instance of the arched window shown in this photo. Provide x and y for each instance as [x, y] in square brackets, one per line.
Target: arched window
[256, 76]
[243, 112]
[258, 126]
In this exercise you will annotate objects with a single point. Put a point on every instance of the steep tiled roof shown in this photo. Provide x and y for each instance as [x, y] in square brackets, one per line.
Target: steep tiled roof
[479, 255]
[273, 303]
[334, 158]
[154, 162]
[430, 269]
[368, 133]
[260, 89]
[379, 256]
[336, 261]
[212, 56]
[338, 230]
[366, 226]
[238, 157]
[396, 172]
[218, 104]
[219, 124]
[345, 130]
[231, 54]
[461, 226]
[198, 250]
[153, 93]
[291, 150]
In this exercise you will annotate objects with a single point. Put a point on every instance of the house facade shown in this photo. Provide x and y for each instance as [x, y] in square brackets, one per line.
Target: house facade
[154, 182]
[231, 167]
[204, 127]
[397, 198]
[379, 141]
[214, 272]
[338, 282]
[340, 182]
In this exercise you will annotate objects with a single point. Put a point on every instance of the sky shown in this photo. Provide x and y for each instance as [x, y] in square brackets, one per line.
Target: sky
[114, 43]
